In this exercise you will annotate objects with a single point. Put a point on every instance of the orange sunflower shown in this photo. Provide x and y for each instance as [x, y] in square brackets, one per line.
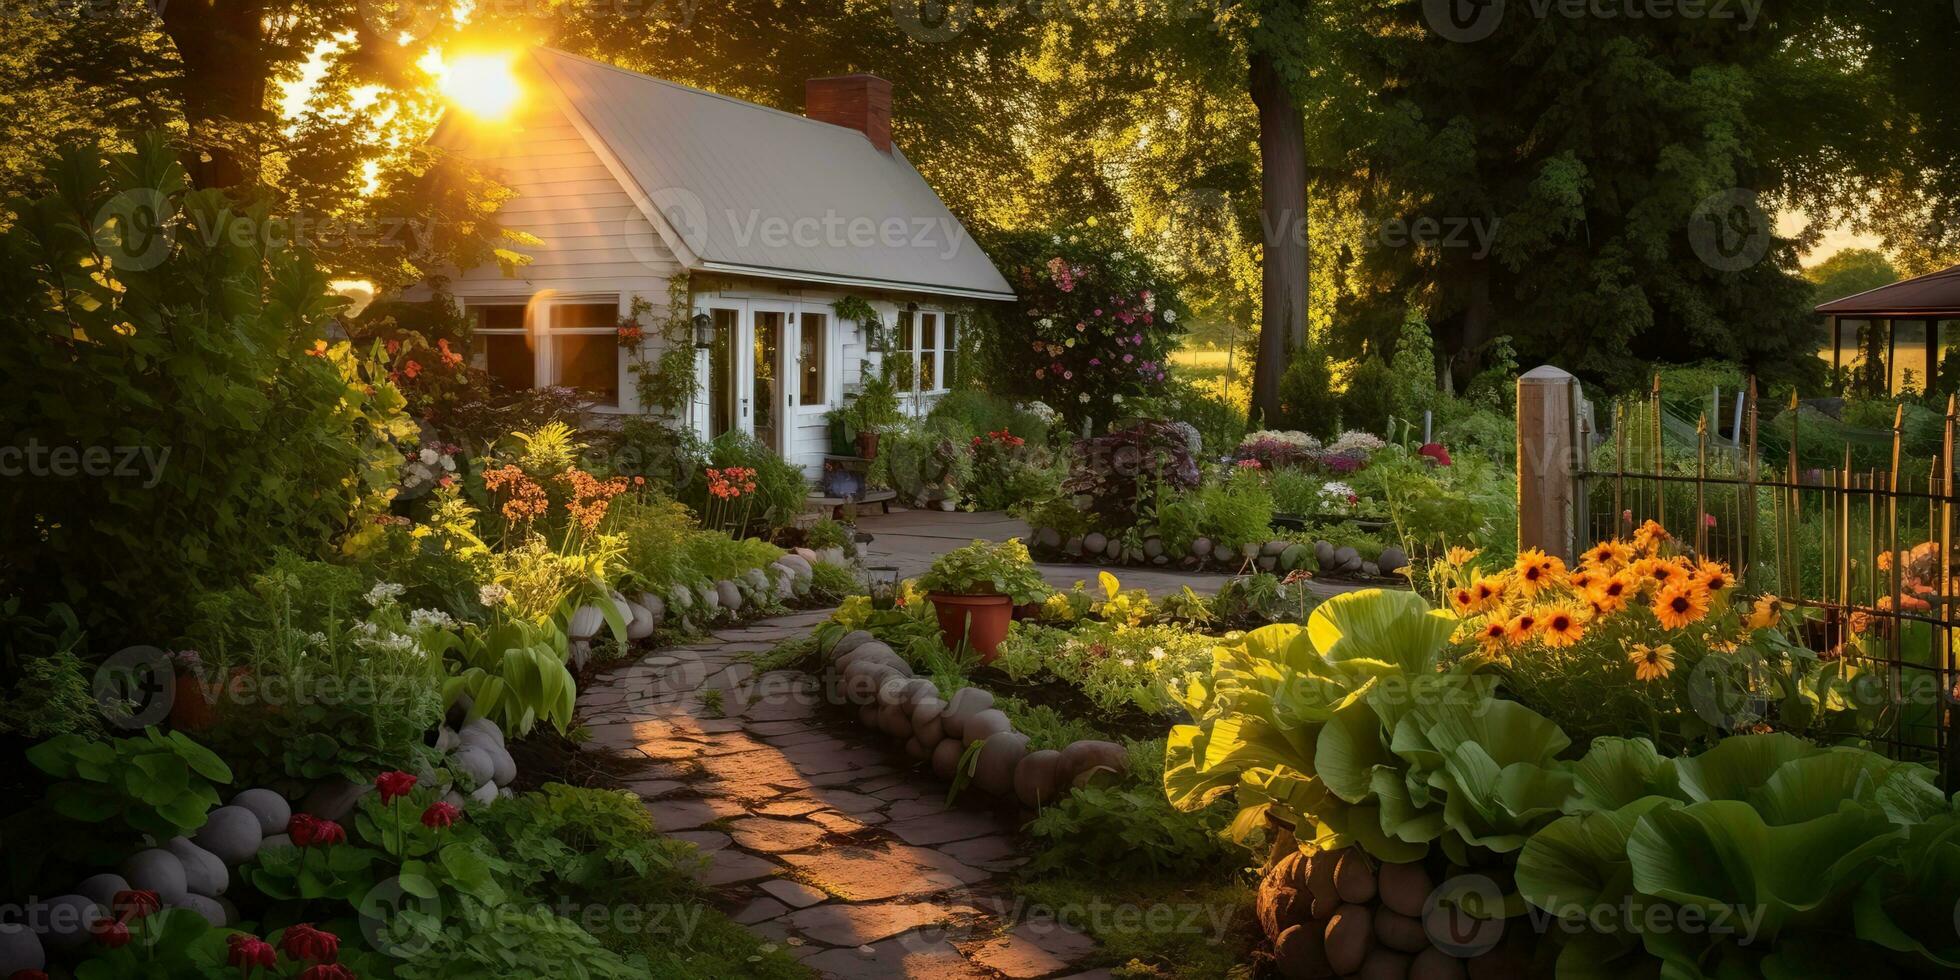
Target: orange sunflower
[1681, 603]
[1561, 626]
[1608, 555]
[1488, 590]
[1493, 637]
[1463, 599]
[1714, 575]
[1767, 611]
[1521, 627]
[1610, 595]
[1650, 537]
[1651, 663]
[1584, 579]
[1536, 570]
[1662, 572]
[1460, 556]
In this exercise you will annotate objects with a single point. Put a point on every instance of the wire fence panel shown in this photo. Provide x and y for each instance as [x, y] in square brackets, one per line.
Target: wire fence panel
[1863, 541]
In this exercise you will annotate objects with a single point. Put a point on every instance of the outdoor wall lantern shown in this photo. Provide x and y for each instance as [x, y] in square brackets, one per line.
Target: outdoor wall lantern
[881, 581]
[704, 331]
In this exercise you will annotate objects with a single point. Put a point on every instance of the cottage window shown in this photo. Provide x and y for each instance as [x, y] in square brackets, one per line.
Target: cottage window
[812, 341]
[585, 349]
[502, 346]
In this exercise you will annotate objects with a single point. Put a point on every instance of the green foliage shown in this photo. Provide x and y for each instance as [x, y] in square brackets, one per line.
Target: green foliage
[1115, 665]
[1373, 393]
[588, 845]
[1471, 503]
[51, 693]
[1236, 512]
[1132, 827]
[1828, 857]
[781, 489]
[1848, 272]
[1413, 370]
[832, 583]
[972, 412]
[178, 366]
[514, 942]
[155, 784]
[514, 673]
[1307, 401]
[984, 568]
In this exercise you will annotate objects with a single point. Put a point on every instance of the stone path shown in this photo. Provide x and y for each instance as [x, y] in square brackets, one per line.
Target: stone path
[820, 835]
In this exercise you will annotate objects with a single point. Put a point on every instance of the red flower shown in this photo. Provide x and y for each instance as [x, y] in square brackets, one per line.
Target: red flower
[250, 951]
[327, 971]
[110, 933]
[394, 347]
[319, 349]
[440, 814]
[308, 830]
[412, 368]
[1436, 452]
[303, 942]
[393, 785]
[135, 903]
[449, 357]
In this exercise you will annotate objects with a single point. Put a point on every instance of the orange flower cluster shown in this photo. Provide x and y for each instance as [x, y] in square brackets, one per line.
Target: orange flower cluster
[1539, 600]
[527, 502]
[590, 496]
[731, 482]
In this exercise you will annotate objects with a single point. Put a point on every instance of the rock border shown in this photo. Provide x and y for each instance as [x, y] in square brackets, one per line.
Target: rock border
[1276, 555]
[861, 670]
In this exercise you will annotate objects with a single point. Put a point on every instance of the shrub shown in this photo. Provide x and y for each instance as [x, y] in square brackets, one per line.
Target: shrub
[1306, 395]
[1124, 469]
[1237, 512]
[782, 491]
[971, 412]
[197, 355]
[1220, 424]
[1095, 323]
[1010, 472]
[1370, 396]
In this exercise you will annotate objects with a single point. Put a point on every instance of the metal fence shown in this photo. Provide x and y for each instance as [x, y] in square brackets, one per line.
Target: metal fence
[1864, 539]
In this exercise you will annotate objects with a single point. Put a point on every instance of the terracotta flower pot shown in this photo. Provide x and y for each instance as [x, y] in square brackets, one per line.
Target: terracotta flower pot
[980, 620]
[867, 443]
[193, 705]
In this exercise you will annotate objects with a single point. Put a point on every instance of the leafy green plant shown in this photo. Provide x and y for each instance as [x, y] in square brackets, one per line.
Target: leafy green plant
[1819, 861]
[1236, 512]
[155, 784]
[514, 673]
[983, 568]
[50, 693]
[1132, 826]
[185, 331]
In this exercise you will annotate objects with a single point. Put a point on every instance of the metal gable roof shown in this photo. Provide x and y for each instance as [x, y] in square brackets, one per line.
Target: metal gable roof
[742, 188]
[1933, 294]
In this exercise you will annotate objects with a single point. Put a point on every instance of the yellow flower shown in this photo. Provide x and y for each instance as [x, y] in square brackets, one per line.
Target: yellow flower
[1460, 556]
[1584, 579]
[1662, 572]
[1536, 570]
[1608, 555]
[1561, 626]
[1463, 600]
[1714, 575]
[1489, 590]
[1520, 628]
[1651, 663]
[1493, 637]
[1610, 595]
[1681, 604]
[1767, 612]
[1650, 537]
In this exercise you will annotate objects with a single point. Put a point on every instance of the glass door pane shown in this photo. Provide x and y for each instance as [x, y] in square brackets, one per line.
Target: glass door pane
[812, 341]
[724, 373]
[768, 392]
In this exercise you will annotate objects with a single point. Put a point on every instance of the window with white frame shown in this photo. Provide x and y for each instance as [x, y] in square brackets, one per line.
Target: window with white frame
[926, 343]
[576, 345]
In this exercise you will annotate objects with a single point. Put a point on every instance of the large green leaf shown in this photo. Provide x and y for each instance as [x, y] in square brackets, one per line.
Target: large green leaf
[1617, 771]
[1580, 863]
[1348, 750]
[1721, 856]
[1386, 626]
[1738, 764]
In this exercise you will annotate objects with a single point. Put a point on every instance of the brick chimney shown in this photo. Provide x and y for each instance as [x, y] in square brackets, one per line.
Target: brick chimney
[860, 102]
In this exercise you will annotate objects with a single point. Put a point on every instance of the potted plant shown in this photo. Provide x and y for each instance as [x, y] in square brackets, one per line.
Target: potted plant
[875, 408]
[974, 591]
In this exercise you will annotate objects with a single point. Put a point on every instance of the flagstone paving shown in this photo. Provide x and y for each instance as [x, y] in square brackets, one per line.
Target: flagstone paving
[819, 835]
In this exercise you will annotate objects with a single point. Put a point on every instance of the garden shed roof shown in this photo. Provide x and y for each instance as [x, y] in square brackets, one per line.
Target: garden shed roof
[1934, 295]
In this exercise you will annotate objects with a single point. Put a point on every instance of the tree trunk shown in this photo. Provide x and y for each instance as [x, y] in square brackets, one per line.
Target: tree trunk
[1477, 310]
[222, 44]
[1283, 225]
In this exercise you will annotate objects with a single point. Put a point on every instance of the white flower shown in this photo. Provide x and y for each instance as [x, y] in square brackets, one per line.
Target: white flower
[449, 463]
[1129, 661]
[1157, 653]
[384, 593]
[429, 457]
[1354, 442]
[1116, 256]
[1117, 398]
[422, 619]
[492, 594]
[1170, 316]
[1336, 490]
[1083, 398]
[317, 640]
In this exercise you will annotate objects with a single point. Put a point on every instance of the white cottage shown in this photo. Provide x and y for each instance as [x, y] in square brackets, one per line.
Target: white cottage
[630, 181]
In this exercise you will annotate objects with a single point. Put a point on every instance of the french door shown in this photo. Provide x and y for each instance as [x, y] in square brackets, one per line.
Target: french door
[752, 370]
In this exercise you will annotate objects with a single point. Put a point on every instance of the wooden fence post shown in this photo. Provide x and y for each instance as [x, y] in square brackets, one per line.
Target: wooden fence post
[1548, 461]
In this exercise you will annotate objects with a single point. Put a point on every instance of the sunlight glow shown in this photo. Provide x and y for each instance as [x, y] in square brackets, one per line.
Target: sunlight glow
[484, 85]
